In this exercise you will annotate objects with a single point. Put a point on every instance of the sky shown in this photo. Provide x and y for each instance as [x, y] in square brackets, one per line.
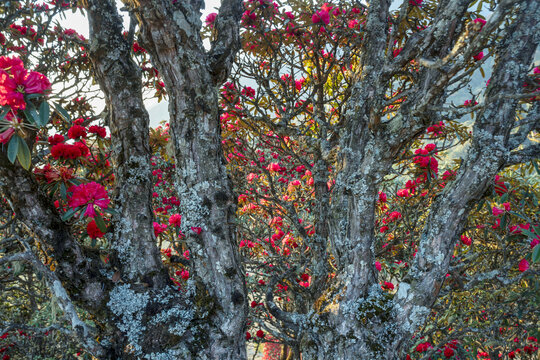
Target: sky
[157, 111]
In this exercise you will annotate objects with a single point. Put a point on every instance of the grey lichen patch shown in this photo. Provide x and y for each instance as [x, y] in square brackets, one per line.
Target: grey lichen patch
[194, 212]
[137, 169]
[122, 245]
[177, 314]
[129, 307]
[376, 304]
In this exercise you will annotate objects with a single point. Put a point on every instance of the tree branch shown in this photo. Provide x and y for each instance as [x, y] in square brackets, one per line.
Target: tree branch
[227, 43]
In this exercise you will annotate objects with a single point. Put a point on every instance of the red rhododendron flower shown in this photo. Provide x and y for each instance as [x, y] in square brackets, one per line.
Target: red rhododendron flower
[378, 266]
[415, 2]
[423, 347]
[89, 194]
[523, 265]
[500, 188]
[93, 230]
[77, 131]
[466, 240]
[184, 274]
[98, 130]
[496, 211]
[56, 139]
[65, 151]
[260, 333]
[448, 352]
[82, 148]
[403, 193]
[470, 103]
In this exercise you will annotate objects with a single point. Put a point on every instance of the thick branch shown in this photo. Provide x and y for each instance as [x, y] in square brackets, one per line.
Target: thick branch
[485, 158]
[120, 79]
[78, 269]
[227, 43]
[528, 153]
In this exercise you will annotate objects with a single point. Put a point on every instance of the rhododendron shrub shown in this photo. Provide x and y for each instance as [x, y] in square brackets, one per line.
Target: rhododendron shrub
[323, 194]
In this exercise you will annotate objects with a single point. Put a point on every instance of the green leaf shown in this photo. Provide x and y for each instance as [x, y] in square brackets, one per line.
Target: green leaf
[63, 113]
[69, 214]
[535, 163]
[4, 113]
[504, 198]
[504, 221]
[33, 96]
[44, 113]
[110, 211]
[536, 254]
[31, 114]
[63, 191]
[24, 155]
[530, 234]
[100, 223]
[518, 215]
[13, 148]
[480, 205]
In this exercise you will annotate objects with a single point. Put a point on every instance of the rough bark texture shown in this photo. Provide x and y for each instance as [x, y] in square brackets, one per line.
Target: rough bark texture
[170, 33]
[120, 79]
[208, 321]
[370, 324]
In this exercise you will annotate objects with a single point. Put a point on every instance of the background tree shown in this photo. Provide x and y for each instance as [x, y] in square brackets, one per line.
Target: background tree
[332, 125]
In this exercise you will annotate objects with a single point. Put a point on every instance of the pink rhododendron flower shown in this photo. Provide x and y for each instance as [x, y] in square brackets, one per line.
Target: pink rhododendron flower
[197, 230]
[210, 19]
[159, 228]
[480, 21]
[6, 135]
[321, 16]
[89, 194]
[403, 193]
[378, 266]
[16, 81]
[479, 56]
[175, 220]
